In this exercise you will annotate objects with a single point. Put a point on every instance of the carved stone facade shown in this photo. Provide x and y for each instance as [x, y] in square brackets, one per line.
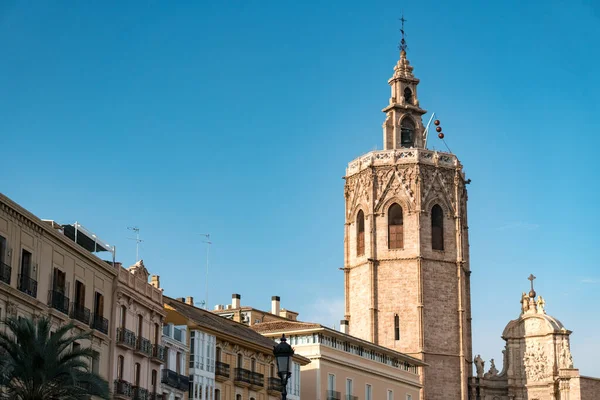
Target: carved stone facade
[412, 295]
[537, 361]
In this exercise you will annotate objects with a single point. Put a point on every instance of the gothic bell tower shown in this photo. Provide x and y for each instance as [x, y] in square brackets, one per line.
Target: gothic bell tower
[406, 246]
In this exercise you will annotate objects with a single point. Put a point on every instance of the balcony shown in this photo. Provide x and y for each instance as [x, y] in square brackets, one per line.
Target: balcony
[58, 301]
[5, 272]
[333, 395]
[257, 380]
[155, 396]
[158, 353]
[80, 313]
[125, 338]
[100, 324]
[143, 346]
[274, 386]
[175, 380]
[221, 371]
[243, 377]
[123, 389]
[139, 393]
[27, 285]
[351, 397]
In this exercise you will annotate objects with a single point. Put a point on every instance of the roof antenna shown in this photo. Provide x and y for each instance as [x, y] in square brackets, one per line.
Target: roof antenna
[137, 241]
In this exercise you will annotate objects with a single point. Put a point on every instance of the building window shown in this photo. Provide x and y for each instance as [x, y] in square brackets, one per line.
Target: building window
[360, 233]
[253, 365]
[178, 362]
[156, 333]
[59, 281]
[123, 316]
[136, 374]
[3, 250]
[331, 382]
[390, 395]
[408, 95]
[368, 392]
[396, 327]
[437, 228]
[240, 361]
[98, 305]
[154, 380]
[26, 258]
[238, 397]
[408, 397]
[120, 365]
[96, 362]
[349, 387]
[217, 394]
[395, 227]
[407, 131]
[219, 355]
[140, 325]
[272, 371]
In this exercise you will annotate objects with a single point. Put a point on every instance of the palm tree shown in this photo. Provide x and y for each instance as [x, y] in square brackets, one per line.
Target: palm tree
[38, 365]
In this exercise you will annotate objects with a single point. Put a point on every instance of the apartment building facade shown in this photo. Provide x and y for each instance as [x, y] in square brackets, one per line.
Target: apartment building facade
[139, 353]
[345, 367]
[174, 376]
[46, 271]
[242, 360]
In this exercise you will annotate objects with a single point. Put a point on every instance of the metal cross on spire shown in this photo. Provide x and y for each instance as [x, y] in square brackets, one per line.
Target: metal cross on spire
[531, 279]
[402, 46]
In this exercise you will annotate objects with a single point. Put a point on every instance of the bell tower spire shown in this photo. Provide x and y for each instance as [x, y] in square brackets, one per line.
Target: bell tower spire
[403, 126]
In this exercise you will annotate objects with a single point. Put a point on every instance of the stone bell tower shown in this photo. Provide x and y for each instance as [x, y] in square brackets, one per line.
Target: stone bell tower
[406, 246]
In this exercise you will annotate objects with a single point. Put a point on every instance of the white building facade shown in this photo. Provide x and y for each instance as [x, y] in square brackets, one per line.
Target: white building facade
[174, 376]
[202, 365]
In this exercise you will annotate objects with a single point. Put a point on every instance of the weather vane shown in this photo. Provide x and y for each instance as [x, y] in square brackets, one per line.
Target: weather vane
[402, 45]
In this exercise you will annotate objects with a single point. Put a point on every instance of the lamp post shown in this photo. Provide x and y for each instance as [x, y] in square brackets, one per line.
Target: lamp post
[283, 353]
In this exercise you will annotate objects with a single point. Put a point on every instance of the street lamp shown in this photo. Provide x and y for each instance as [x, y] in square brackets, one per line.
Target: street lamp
[283, 353]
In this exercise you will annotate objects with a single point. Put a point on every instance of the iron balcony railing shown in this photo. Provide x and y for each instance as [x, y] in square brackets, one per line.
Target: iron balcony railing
[58, 301]
[351, 397]
[100, 324]
[158, 352]
[139, 393]
[27, 285]
[125, 337]
[156, 396]
[175, 380]
[5, 272]
[333, 395]
[123, 388]
[80, 313]
[258, 379]
[143, 346]
[275, 384]
[222, 369]
[243, 375]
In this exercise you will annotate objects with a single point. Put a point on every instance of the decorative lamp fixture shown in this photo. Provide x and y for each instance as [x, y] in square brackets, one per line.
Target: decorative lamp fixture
[283, 353]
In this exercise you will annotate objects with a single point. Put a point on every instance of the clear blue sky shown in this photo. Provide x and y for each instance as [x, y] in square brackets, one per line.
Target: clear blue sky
[238, 118]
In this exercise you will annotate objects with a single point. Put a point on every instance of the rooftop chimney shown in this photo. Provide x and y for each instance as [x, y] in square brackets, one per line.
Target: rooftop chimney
[344, 326]
[235, 300]
[189, 300]
[155, 281]
[275, 303]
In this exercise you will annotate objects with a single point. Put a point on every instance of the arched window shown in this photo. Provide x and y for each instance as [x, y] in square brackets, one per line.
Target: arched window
[360, 233]
[395, 227]
[240, 361]
[437, 228]
[238, 397]
[136, 374]
[217, 394]
[396, 327]
[408, 95]
[407, 132]
[120, 365]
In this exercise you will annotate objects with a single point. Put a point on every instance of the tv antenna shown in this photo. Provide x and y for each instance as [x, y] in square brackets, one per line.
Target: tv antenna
[208, 242]
[137, 241]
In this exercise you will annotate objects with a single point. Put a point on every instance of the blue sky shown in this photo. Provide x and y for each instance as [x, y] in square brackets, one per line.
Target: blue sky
[238, 119]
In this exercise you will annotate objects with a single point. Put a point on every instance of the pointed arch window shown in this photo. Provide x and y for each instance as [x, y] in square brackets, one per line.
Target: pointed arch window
[437, 228]
[360, 233]
[408, 95]
[396, 327]
[395, 227]
[407, 132]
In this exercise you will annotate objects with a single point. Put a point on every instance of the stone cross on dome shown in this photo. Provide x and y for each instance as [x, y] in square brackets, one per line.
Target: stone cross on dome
[532, 291]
